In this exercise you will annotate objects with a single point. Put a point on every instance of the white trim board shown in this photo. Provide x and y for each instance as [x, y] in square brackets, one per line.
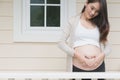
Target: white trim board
[54, 75]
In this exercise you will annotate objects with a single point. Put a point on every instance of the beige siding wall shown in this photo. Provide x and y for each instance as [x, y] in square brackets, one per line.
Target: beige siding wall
[46, 56]
[25, 56]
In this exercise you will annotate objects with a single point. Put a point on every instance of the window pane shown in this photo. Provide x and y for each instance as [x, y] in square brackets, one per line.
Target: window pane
[37, 16]
[37, 1]
[53, 1]
[53, 16]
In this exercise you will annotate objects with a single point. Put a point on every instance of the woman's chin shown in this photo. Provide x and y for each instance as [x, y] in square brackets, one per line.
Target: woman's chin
[89, 18]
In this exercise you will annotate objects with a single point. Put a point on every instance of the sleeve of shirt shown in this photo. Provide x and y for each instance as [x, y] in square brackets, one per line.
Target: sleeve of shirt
[62, 44]
[106, 48]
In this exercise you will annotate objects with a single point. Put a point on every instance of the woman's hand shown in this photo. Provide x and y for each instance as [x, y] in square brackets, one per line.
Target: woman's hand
[96, 61]
[99, 59]
[81, 58]
[89, 61]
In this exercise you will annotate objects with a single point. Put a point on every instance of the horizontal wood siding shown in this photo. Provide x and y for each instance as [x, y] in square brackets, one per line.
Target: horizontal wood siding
[25, 56]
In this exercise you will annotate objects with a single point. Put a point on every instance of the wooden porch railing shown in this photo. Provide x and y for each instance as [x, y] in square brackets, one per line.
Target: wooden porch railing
[58, 75]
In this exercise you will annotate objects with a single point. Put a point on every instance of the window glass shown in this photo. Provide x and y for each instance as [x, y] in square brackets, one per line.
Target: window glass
[53, 16]
[45, 14]
[37, 1]
[37, 16]
[53, 1]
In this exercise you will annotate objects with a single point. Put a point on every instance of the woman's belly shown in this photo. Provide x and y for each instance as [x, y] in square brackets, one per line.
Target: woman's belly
[89, 51]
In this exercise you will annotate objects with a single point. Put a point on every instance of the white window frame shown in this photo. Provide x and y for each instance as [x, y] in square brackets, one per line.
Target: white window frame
[27, 34]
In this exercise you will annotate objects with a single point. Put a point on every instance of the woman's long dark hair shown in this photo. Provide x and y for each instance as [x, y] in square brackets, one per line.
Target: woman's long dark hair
[101, 20]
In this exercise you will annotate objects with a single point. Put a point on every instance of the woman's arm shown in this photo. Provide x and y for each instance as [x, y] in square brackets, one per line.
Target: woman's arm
[62, 44]
[106, 48]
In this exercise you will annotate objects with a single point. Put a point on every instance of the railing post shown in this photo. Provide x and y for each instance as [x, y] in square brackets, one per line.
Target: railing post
[11, 78]
[28, 79]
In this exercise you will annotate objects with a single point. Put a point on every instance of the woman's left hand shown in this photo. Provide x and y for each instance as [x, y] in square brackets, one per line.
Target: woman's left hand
[97, 60]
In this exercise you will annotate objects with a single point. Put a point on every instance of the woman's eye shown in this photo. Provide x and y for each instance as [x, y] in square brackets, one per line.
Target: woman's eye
[92, 8]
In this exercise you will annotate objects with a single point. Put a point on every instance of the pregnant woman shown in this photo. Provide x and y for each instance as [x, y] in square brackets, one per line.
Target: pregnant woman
[84, 38]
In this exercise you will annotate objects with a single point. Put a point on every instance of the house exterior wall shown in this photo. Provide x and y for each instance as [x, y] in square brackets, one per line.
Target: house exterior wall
[47, 56]
[25, 56]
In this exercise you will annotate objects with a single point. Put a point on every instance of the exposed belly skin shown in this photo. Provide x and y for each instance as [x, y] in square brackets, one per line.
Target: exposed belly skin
[88, 51]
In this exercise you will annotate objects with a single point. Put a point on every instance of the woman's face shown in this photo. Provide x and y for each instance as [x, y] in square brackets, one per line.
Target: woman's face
[91, 10]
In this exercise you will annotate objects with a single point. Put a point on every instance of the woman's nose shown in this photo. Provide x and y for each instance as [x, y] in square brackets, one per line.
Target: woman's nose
[92, 13]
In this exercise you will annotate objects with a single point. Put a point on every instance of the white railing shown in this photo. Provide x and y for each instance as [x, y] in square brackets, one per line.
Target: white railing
[58, 75]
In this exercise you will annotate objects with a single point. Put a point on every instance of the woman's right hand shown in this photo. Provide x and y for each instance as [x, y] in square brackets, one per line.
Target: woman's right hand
[81, 58]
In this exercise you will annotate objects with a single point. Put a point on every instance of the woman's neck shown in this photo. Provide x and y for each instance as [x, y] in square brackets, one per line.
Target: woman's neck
[83, 17]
